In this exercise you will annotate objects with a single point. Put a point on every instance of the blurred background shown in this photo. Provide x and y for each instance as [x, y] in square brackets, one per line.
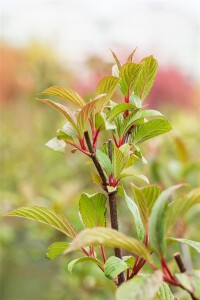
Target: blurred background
[66, 42]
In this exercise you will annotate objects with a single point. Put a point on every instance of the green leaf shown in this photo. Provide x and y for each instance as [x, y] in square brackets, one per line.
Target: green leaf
[179, 207]
[140, 176]
[120, 108]
[96, 178]
[61, 135]
[136, 215]
[129, 260]
[56, 249]
[118, 162]
[135, 100]
[116, 59]
[130, 121]
[64, 110]
[99, 121]
[107, 85]
[140, 287]
[56, 145]
[93, 210]
[151, 129]
[104, 161]
[131, 56]
[191, 281]
[67, 133]
[109, 238]
[65, 93]
[74, 262]
[146, 77]
[157, 226]
[84, 114]
[145, 198]
[151, 193]
[69, 130]
[129, 74]
[114, 266]
[46, 216]
[164, 293]
[193, 244]
[132, 159]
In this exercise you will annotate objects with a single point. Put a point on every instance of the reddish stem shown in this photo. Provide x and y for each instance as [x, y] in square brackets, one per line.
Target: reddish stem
[135, 263]
[92, 127]
[95, 138]
[103, 254]
[85, 251]
[82, 143]
[139, 266]
[115, 140]
[92, 251]
[78, 148]
[170, 281]
[165, 267]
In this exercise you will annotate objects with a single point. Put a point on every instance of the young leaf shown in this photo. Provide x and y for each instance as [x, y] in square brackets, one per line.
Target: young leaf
[99, 121]
[96, 178]
[69, 130]
[120, 108]
[191, 281]
[129, 260]
[136, 215]
[84, 114]
[151, 193]
[146, 77]
[151, 129]
[193, 244]
[138, 116]
[61, 135]
[140, 201]
[179, 207]
[140, 176]
[164, 293]
[129, 74]
[135, 100]
[116, 59]
[93, 210]
[118, 162]
[114, 266]
[63, 109]
[157, 228]
[56, 145]
[74, 262]
[104, 161]
[64, 93]
[107, 85]
[109, 238]
[46, 216]
[140, 287]
[145, 198]
[131, 56]
[56, 249]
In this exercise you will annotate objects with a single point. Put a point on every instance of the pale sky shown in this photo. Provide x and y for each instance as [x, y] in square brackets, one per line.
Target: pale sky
[76, 28]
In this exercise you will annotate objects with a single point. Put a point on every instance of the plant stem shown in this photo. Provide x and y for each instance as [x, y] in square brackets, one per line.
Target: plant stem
[165, 268]
[113, 216]
[111, 196]
[103, 254]
[182, 269]
[114, 225]
[95, 161]
[179, 262]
